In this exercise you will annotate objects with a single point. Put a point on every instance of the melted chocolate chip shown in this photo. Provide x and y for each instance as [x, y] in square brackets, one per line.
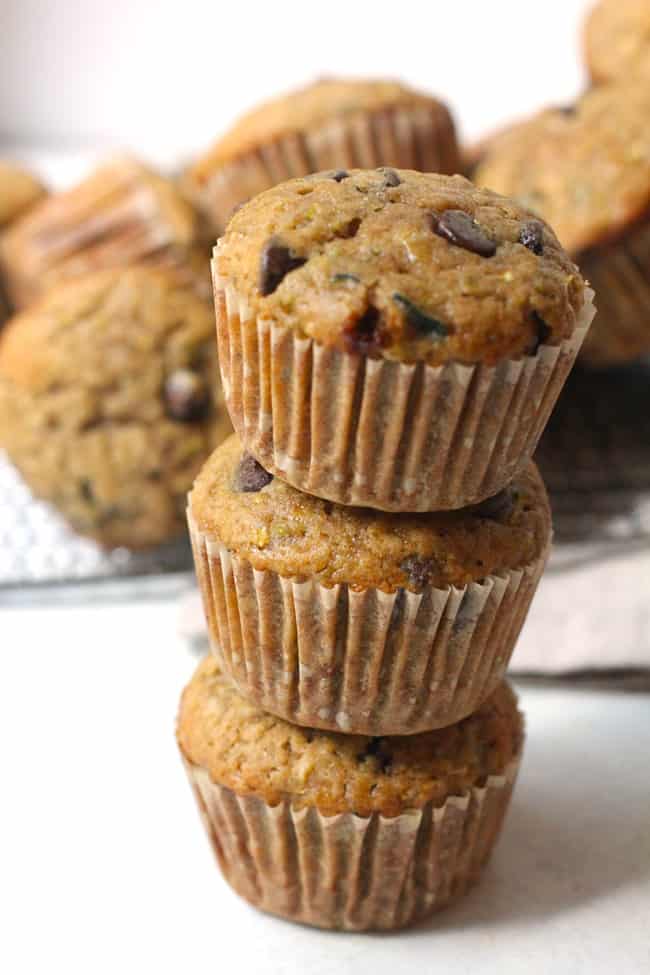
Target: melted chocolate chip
[364, 337]
[419, 570]
[543, 332]
[276, 261]
[391, 178]
[531, 236]
[460, 229]
[251, 476]
[86, 490]
[340, 175]
[422, 323]
[349, 229]
[346, 277]
[186, 396]
[496, 508]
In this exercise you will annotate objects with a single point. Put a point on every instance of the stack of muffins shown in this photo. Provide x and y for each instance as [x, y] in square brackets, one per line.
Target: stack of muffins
[367, 546]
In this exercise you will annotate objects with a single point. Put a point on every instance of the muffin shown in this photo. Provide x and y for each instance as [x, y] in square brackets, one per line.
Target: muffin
[123, 213]
[344, 831]
[586, 169]
[108, 405]
[393, 339]
[356, 620]
[331, 124]
[19, 190]
[617, 40]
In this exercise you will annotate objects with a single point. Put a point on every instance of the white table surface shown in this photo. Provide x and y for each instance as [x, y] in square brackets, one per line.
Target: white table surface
[104, 866]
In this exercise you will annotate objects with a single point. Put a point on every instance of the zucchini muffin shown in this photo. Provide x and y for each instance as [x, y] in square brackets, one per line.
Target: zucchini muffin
[331, 124]
[19, 190]
[393, 339]
[357, 620]
[617, 40]
[108, 405]
[586, 170]
[122, 214]
[344, 831]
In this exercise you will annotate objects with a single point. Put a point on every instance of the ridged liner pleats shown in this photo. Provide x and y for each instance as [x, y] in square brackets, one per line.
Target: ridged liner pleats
[347, 871]
[416, 137]
[620, 274]
[365, 662]
[379, 433]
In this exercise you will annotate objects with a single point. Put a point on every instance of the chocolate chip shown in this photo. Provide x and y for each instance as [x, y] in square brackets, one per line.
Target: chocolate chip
[186, 396]
[276, 261]
[364, 336]
[340, 175]
[460, 229]
[422, 323]
[567, 110]
[346, 277]
[375, 749]
[391, 178]
[251, 476]
[531, 236]
[86, 490]
[349, 229]
[496, 508]
[420, 571]
[543, 332]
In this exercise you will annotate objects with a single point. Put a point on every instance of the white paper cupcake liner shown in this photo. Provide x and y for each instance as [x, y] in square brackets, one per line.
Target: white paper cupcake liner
[620, 273]
[347, 871]
[418, 137]
[379, 433]
[368, 662]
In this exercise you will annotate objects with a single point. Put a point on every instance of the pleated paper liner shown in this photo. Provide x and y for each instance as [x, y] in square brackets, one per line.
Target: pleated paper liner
[347, 871]
[379, 433]
[418, 137]
[620, 273]
[367, 662]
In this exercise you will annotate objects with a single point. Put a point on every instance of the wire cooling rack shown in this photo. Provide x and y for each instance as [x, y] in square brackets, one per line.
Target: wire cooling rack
[595, 457]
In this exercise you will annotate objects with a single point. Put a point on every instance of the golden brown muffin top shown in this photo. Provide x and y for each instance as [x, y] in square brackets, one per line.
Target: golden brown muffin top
[304, 109]
[122, 213]
[255, 753]
[273, 526]
[585, 169]
[402, 265]
[617, 39]
[19, 189]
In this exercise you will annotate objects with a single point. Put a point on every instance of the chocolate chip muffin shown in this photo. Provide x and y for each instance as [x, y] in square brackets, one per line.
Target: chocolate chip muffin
[586, 170]
[393, 339]
[19, 190]
[357, 620]
[107, 401]
[333, 123]
[122, 214]
[344, 831]
[617, 40]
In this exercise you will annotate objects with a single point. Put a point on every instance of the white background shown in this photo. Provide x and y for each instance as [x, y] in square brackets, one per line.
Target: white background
[166, 76]
[103, 865]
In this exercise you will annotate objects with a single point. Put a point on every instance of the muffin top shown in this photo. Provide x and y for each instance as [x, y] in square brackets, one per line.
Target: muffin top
[585, 169]
[122, 213]
[108, 401]
[402, 265]
[255, 753]
[274, 526]
[617, 39]
[304, 109]
[19, 189]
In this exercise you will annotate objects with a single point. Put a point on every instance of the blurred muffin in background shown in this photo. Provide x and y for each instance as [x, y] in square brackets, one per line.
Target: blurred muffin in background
[586, 170]
[331, 124]
[109, 403]
[123, 213]
[617, 40]
[19, 190]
